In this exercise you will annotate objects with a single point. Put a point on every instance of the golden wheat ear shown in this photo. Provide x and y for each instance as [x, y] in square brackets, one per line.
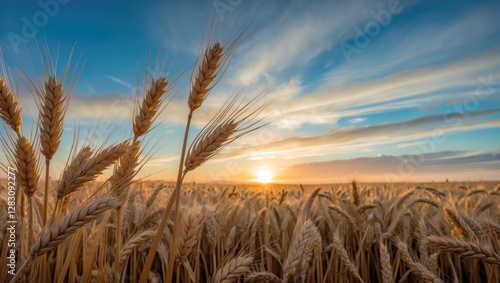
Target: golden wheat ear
[207, 71]
[213, 59]
[149, 107]
[85, 167]
[10, 111]
[231, 122]
[66, 226]
[233, 269]
[27, 166]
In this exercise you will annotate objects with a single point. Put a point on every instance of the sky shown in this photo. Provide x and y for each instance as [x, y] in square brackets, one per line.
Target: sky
[392, 90]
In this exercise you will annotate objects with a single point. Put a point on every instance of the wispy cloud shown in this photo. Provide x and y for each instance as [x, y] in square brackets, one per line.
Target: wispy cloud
[397, 132]
[424, 167]
[303, 31]
[357, 120]
[119, 81]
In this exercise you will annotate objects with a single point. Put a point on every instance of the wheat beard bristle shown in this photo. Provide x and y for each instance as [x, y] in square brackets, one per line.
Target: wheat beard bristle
[51, 117]
[10, 111]
[149, 107]
[26, 162]
[209, 145]
[200, 86]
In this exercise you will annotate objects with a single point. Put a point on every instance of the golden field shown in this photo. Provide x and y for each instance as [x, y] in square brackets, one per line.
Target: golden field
[439, 232]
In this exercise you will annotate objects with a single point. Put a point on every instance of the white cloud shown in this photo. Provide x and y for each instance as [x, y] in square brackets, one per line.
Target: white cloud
[119, 81]
[302, 32]
[356, 120]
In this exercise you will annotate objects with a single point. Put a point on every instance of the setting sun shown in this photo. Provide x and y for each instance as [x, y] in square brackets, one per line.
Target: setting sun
[264, 175]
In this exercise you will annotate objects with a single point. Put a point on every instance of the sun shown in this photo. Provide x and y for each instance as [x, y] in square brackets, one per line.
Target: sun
[264, 175]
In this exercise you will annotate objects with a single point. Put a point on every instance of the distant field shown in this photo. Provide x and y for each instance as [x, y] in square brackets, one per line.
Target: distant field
[287, 233]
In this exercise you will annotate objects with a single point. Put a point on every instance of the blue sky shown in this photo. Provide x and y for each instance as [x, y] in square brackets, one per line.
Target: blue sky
[387, 90]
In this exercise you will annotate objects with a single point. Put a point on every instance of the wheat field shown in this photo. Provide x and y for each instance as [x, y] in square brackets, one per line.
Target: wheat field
[444, 232]
[75, 229]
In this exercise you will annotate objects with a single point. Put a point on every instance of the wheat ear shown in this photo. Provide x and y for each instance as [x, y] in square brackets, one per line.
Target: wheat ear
[133, 242]
[209, 145]
[339, 247]
[385, 263]
[233, 269]
[52, 113]
[355, 192]
[68, 225]
[457, 223]
[300, 241]
[89, 169]
[207, 71]
[10, 111]
[149, 107]
[51, 117]
[263, 276]
[188, 236]
[27, 166]
[416, 267]
[464, 248]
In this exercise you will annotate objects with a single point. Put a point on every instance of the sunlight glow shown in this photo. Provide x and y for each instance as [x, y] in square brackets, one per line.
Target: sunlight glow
[264, 175]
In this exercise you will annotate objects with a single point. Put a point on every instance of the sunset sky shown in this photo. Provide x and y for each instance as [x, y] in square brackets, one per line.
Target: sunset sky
[378, 90]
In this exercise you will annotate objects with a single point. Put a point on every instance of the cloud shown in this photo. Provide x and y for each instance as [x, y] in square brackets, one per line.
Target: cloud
[402, 90]
[431, 126]
[119, 81]
[458, 165]
[161, 160]
[356, 120]
[296, 37]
